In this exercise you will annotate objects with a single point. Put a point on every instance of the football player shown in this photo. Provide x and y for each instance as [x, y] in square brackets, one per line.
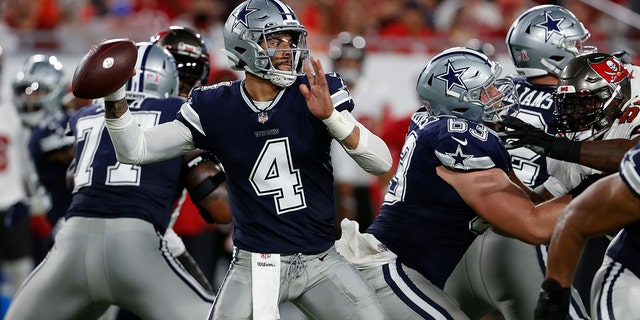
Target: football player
[16, 243]
[541, 41]
[191, 54]
[453, 182]
[608, 206]
[192, 60]
[593, 106]
[111, 249]
[272, 132]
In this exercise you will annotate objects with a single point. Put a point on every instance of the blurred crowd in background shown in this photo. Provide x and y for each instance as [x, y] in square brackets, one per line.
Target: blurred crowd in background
[408, 30]
[423, 26]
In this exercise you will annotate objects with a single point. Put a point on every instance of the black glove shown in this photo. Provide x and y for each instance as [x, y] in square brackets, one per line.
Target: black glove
[16, 213]
[553, 303]
[540, 142]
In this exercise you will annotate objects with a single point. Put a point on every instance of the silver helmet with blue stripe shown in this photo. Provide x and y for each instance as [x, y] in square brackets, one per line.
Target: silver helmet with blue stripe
[253, 23]
[156, 73]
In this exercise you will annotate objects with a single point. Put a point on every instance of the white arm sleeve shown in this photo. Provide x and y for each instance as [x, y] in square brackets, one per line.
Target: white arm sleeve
[371, 154]
[134, 145]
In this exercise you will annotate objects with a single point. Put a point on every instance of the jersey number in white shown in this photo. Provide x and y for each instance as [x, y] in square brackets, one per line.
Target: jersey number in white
[89, 129]
[273, 174]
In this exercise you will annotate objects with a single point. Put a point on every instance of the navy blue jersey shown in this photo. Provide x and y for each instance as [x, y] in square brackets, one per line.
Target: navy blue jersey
[423, 219]
[106, 188]
[536, 108]
[46, 138]
[625, 248]
[277, 162]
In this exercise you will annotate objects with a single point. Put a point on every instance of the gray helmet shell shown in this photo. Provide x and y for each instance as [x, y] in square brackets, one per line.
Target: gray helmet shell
[454, 80]
[40, 75]
[156, 73]
[249, 24]
[544, 38]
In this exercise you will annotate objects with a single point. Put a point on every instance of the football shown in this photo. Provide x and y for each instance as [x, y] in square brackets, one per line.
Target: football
[104, 69]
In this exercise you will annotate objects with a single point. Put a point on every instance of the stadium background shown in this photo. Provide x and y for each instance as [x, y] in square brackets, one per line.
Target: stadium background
[401, 35]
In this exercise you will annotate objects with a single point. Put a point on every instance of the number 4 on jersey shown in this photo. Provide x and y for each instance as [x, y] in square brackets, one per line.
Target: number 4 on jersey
[273, 174]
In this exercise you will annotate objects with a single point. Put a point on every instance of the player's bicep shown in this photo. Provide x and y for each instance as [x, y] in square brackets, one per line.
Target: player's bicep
[604, 207]
[490, 193]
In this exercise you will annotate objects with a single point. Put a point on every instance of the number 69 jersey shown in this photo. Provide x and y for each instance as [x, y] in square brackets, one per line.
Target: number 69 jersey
[423, 219]
[106, 188]
[276, 158]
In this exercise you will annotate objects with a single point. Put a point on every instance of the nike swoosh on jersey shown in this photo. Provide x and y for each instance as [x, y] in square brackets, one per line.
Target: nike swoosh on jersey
[462, 142]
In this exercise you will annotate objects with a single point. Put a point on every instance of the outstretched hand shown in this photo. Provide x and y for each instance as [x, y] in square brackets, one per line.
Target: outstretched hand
[317, 93]
[521, 134]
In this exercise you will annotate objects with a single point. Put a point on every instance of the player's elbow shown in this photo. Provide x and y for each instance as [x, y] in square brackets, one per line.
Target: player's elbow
[127, 159]
[382, 168]
[527, 232]
[535, 234]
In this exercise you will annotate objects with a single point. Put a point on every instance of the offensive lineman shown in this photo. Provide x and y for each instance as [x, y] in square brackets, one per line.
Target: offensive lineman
[454, 181]
[111, 249]
[499, 272]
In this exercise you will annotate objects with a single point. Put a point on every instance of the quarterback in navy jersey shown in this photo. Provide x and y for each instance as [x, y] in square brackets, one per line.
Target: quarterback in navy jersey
[454, 181]
[609, 205]
[111, 249]
[271, 132]
[270, 142]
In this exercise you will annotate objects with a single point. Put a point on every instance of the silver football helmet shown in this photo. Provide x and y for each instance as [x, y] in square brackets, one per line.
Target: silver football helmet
[457, 80]
[156, 74]
[591, 90]
[544, 38]
[38, 88]
[253, 22]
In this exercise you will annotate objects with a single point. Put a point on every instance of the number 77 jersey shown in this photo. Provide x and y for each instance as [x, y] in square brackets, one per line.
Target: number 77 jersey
[106, 188]
[276, 157]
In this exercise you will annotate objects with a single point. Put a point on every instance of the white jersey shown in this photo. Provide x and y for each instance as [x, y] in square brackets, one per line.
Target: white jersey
[566, 175]
[13, 156]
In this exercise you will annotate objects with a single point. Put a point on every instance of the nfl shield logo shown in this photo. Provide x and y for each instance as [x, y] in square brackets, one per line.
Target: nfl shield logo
[263, 117]
[265, 256]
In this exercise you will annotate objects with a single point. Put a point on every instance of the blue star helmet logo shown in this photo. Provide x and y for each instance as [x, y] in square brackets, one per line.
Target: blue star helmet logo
[550, 26]
[243, 15]
[452, 76]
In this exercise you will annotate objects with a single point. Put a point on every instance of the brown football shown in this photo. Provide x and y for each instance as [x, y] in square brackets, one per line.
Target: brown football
[104, 69]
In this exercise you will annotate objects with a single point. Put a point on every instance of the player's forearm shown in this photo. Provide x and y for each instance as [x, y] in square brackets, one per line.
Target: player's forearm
[371, 153]
[564, 253]
[134, 145]
[605, 155]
